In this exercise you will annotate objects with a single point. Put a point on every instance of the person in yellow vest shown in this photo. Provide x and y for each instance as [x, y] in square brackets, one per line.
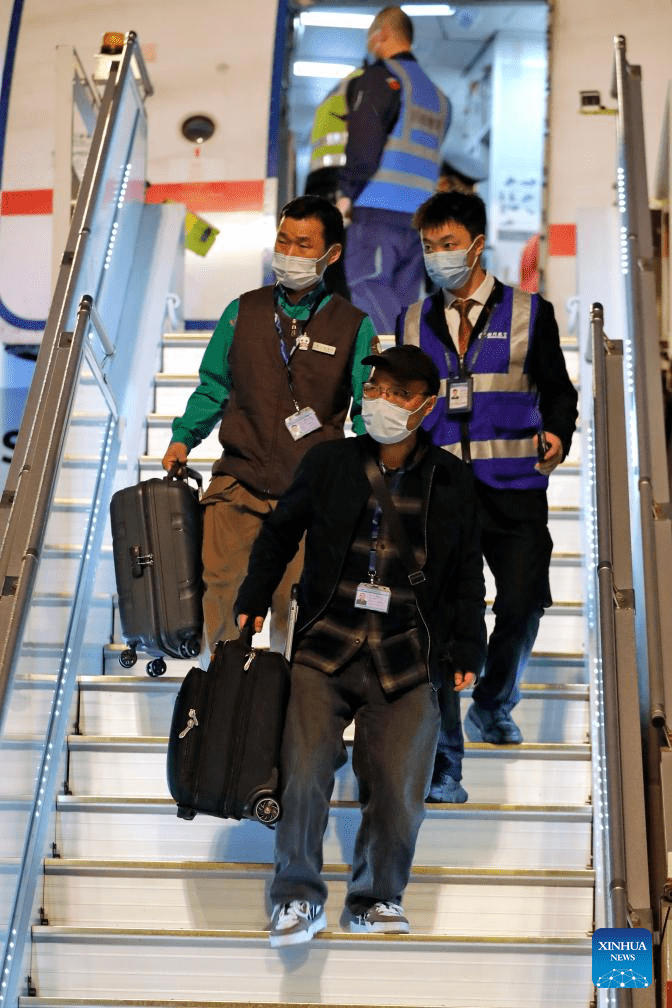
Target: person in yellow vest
[328, 138]
[327, 154]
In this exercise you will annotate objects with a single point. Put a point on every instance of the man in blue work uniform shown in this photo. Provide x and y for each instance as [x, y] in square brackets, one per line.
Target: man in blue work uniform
[506, 407]
[397, 119]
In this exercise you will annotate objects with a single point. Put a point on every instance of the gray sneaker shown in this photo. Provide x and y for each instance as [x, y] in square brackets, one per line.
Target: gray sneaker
[382, 918]
[296, 922]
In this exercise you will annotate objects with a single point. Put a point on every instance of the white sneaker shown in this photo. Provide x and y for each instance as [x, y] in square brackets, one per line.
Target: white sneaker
[382, 918]
[296, 922]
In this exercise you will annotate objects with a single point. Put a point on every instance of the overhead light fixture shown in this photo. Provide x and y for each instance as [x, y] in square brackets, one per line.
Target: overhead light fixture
[308, 69]
[335, 19]
[428, 10]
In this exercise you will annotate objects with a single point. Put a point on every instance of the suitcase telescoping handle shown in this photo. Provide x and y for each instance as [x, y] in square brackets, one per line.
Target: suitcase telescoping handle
[247, 632]
[291, 621]
[182, 472]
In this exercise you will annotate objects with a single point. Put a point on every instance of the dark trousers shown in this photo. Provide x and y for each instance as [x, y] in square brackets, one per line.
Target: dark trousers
[395, 739]
[517, 547]
[384, 264]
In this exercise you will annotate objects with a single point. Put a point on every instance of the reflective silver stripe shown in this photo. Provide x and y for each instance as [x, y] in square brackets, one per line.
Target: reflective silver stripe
[403, 179]
[512, 382]
[402, 146]
[482, 450]
[412, 329]
[516, 380]
[330, 139]
[327, 161]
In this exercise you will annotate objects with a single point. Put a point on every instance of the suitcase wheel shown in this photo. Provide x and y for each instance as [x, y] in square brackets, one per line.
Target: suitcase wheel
[156, 667]
[128, 658]
[184, 812]
[266, 810]
[190, 648]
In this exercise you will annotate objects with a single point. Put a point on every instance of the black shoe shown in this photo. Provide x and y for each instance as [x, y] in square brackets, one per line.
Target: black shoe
[446, 789]
[496, 727]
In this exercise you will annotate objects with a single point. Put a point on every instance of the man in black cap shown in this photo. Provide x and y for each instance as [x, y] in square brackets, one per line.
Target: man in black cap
[387, 612]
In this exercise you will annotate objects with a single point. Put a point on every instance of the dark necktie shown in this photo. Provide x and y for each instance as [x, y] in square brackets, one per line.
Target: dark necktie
[464, 331]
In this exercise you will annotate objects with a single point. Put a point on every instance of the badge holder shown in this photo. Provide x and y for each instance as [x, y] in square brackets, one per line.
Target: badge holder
[459, 395]
[303, 422]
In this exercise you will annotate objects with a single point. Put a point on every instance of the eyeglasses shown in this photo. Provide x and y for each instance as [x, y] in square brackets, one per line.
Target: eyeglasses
[393, 393]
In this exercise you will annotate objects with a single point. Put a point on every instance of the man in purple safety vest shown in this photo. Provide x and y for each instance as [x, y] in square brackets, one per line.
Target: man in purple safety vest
[508, 409]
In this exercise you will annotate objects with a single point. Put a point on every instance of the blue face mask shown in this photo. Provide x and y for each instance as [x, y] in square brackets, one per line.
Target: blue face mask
[450, 269]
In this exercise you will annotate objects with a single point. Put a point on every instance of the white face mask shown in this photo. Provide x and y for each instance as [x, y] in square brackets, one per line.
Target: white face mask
[297, 273]
[450, 269]
[386, 422]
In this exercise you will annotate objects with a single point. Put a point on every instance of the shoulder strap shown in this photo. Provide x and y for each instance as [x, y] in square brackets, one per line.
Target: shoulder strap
[382, 495]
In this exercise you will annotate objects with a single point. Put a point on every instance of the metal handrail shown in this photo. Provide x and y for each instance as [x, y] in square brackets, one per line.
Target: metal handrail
[31, 476]
[637, 265]
[79, 350]
[617, 887]
[29, 493]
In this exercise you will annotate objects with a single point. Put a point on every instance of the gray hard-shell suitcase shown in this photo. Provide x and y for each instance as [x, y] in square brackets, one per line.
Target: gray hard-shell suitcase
[226, 732]
[157, 531]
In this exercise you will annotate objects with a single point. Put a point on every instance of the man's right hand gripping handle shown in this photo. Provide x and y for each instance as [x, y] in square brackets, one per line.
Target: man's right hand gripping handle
[177, 452]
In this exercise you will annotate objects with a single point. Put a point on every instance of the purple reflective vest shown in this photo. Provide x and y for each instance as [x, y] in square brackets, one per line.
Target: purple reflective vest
[505, 414]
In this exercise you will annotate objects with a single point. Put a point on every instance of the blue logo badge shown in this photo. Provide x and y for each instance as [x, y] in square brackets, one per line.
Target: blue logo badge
[622, 957]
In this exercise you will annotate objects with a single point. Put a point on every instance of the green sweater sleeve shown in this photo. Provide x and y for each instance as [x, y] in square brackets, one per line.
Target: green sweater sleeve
[360, 372]
[207, 401]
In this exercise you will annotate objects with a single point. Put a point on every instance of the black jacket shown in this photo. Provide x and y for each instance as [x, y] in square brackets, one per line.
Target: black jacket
[329, 491]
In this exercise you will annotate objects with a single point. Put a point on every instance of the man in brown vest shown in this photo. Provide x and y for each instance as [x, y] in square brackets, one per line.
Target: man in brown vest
[282, 367]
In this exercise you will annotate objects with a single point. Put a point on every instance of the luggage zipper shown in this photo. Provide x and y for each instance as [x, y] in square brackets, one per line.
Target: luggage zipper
[192, 722]
[237, 754]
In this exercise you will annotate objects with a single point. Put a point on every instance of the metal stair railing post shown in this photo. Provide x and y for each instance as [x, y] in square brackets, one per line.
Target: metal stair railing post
[651, 533]
[622, 814]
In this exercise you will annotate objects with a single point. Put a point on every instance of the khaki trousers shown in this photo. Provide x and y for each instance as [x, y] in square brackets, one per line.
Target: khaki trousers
[232, 518]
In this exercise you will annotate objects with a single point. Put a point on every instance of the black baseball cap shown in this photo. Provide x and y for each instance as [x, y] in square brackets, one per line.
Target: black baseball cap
[407, 362]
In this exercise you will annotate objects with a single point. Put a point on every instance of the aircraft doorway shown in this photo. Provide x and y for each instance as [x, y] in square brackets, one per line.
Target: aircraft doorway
[489, 58]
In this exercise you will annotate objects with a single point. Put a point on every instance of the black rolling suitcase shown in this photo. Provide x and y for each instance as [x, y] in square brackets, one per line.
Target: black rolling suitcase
[157, 529]
[224, 743]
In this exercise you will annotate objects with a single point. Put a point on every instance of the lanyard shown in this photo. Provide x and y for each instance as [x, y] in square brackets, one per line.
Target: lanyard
[481, 331]
[297, 331]
[462, 371]
[375, 525]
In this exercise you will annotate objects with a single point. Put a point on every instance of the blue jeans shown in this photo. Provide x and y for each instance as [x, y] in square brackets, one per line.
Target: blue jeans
[384, 265]
[393, 756]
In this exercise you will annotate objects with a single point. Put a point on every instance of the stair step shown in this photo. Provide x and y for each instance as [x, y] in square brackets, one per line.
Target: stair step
[234, 897]
[175, 964]
[127, 705]
[532, 773]
[544, 666]
[112, 826]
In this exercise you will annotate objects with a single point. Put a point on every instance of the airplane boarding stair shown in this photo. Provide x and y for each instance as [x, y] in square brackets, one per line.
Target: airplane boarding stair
[121, 902]
[141, 907]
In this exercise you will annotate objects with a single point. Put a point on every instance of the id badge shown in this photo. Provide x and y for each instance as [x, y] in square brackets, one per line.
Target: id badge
[372, 596]
[302, 423]
[459, 395]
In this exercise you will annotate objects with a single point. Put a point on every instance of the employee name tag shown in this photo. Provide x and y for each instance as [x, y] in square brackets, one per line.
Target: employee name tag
[372, 596]
[302, 423]
[459, 395]
[324, 348]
